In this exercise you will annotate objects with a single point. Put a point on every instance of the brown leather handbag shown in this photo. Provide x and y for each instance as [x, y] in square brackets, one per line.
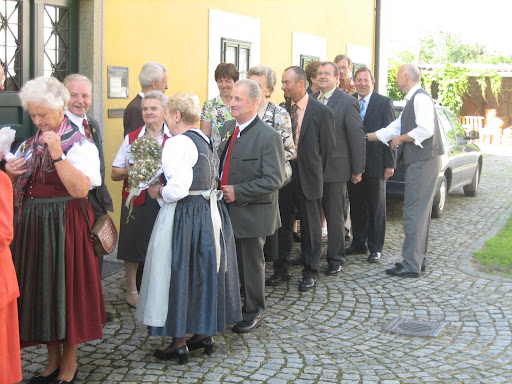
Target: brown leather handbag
[103, 232]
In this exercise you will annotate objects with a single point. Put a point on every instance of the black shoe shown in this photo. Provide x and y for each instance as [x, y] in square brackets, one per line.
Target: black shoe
[297, 261]
[167, 354]
[109, 316]
[333, 270]
[277, 278]
[399, 270]
[246, 326]
[307, 284]
[67, 382]
[374, 257]
[354, 250]
[207, 343]
[45, 379]
[296, 237]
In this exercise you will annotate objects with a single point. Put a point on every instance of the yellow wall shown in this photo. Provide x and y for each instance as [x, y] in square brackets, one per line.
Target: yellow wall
[175, 33]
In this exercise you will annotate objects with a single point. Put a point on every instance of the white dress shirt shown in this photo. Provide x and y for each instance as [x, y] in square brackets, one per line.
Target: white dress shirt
[424, 112]
[178, 157]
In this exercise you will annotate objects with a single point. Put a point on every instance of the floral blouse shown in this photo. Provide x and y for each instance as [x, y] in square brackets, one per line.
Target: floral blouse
[279, 119]
[217, 113]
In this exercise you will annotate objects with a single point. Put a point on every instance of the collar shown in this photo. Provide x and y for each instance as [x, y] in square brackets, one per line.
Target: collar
[77, 120]
[327, 94]
[141, 94]
[411, 92]
[241, 127]
[303, 103]
[166, 131]
[199, 132]
[366, 98]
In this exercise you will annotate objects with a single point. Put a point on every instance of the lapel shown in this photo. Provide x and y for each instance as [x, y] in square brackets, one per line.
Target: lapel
[95, 132]
[371, 107]
[308, 116]
[334, 99]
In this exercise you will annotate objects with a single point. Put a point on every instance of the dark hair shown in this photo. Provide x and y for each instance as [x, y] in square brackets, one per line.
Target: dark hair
[227, 70]
[300, 74]
[364, 69]
[336, 70]
[341, 57]
[312, 69]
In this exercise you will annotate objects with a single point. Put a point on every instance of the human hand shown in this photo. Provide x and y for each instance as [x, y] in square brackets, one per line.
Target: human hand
[229, 193]
[15, 167]
[395, 142]
[153, 190]
[356, 178]
[388, 172]
[52, 140]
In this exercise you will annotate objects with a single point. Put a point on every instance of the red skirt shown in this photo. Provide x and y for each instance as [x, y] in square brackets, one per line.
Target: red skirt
[10, 359]
[61, 298]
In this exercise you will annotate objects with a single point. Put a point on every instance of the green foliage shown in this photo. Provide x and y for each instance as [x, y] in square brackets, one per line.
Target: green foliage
[495, 80]
[452, 84]
[447, 48]
[483, 85]
[496, 255]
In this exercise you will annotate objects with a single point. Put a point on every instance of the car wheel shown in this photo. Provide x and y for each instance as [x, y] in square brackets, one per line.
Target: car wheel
[471, 189]
[440, 199]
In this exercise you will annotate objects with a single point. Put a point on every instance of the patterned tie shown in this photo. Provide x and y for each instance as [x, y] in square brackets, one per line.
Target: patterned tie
[87, 129]
[362, 103]
[227, 159]
[295, 120]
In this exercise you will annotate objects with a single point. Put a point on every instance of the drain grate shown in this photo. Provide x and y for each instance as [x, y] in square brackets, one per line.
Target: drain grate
[410, 327]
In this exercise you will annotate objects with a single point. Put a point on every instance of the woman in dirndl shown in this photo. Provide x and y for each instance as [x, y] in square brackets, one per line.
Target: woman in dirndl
[190, 281]
[61, 299]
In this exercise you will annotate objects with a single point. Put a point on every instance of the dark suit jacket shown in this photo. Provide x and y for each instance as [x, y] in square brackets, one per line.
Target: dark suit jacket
[349, 154]
[132, 117]
[315, 147]
[94, 194]
[256, 171]
[379, 114]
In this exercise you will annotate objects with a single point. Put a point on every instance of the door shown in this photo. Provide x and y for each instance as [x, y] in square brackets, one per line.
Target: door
[37, 38]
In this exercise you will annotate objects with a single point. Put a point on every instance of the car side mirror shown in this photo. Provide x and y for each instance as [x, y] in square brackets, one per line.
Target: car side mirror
[473, 135]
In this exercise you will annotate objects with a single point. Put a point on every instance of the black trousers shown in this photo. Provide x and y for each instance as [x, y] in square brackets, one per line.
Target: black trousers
[368, 212]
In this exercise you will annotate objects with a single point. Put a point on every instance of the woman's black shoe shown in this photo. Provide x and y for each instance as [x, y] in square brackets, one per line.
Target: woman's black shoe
[45, 379]
[68, 382]
[169, 353]
[207, 343]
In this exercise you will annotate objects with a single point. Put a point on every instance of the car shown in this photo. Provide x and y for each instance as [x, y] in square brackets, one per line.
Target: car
[461, 164]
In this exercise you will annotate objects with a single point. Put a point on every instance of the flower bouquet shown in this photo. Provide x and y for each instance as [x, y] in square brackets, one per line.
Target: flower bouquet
[146, 156]
[6, 138]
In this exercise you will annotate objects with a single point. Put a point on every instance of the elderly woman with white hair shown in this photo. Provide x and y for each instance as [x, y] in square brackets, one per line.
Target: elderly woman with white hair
[61, 300]
[136, 226]
[190, 282]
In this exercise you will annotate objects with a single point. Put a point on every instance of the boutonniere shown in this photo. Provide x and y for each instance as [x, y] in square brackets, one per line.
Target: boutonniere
[228, 135]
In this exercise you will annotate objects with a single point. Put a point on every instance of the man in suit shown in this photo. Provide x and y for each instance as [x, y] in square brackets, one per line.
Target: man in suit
[153, 76]
[416, 133]
[80, 91]
[368, 198]
[347, 163]
[313, 130]
[344, 64]
[252, 171]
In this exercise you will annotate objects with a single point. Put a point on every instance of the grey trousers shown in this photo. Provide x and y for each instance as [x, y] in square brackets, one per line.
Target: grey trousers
[251, 271]
[420, 183]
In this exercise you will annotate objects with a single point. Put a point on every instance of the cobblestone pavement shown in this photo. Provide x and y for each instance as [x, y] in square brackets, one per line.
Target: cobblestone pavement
[334, 334]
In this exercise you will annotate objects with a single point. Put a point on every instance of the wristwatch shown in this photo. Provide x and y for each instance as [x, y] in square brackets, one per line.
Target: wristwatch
[366, 136]
[61, 157]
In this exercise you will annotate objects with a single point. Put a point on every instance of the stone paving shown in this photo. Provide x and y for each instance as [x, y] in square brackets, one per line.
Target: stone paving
[334, 334]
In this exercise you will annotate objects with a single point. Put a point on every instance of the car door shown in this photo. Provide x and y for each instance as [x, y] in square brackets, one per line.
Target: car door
[452, 148]
[467, 160]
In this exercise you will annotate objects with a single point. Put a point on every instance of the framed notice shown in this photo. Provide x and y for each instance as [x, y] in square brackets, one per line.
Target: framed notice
[117, 81]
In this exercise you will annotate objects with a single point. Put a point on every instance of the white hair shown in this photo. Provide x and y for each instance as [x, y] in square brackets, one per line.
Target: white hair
[45, 90]
[151, 71]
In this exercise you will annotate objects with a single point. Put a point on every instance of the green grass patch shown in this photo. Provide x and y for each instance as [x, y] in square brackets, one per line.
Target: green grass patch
[496, 255]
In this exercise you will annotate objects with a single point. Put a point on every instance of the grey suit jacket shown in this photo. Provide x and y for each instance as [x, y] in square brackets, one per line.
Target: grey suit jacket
[350, 152]
[256, 171]
[379, 114]
[315, 147]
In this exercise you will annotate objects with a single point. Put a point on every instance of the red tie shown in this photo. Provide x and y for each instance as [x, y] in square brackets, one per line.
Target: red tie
[227, 159]
[87, 129]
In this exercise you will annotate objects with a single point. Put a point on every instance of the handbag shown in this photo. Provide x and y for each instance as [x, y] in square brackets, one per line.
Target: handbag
[103, 233]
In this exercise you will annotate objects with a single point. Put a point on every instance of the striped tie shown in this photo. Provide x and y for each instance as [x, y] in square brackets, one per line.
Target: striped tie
[362, 103]
[87, 129]
[295, 120]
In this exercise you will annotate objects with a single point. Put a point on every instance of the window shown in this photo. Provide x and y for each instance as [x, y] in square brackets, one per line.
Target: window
[306, 59]
[445, 126]
[457, 126]
[238, 53]
[56, 35]
[10, 43]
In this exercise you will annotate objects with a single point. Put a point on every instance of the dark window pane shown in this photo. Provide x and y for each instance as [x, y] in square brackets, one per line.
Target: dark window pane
[10, 43]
